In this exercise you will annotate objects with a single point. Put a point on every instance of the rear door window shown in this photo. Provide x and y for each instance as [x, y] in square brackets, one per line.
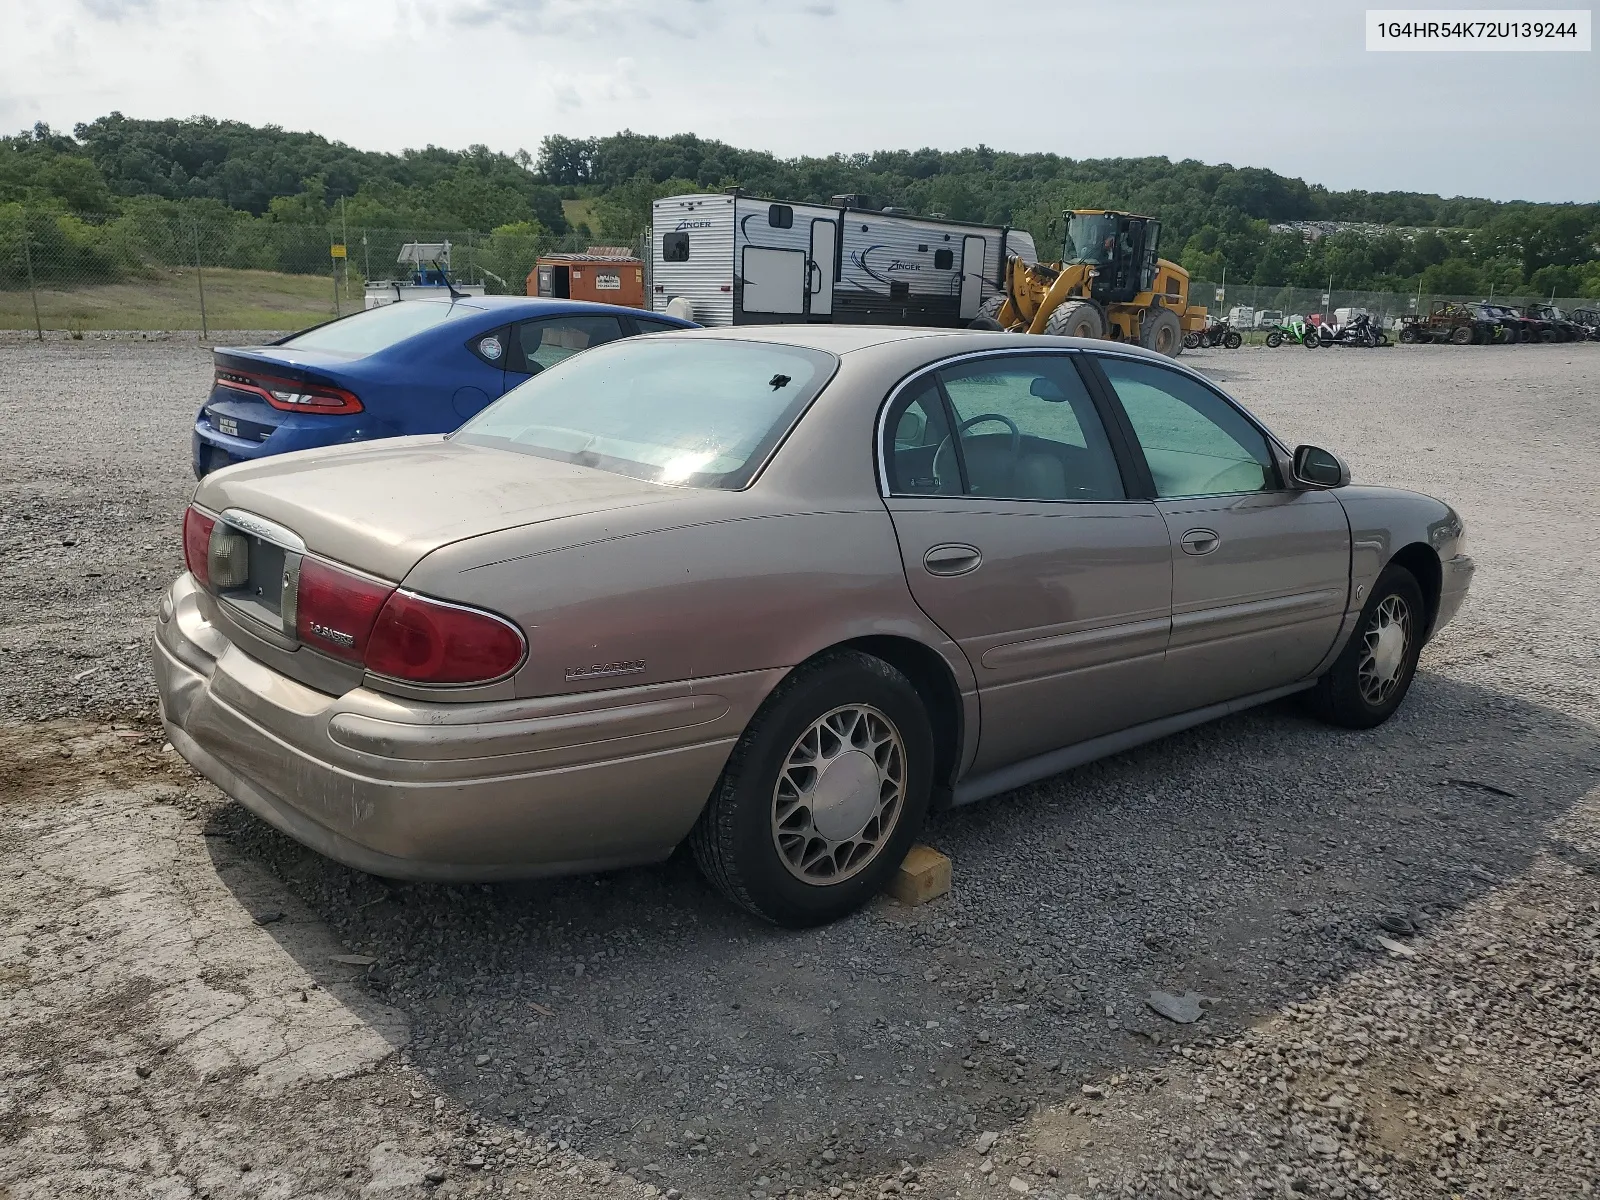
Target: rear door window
[675, 247]
[536, 345]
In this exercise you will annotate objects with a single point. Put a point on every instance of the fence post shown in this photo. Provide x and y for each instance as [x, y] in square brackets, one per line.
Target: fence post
[200, 281]
[27, 258]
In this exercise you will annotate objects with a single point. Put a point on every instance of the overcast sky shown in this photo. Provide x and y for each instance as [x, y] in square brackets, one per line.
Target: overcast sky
[1274, 83]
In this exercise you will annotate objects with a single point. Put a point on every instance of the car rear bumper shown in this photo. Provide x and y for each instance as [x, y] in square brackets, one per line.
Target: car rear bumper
[447, 792]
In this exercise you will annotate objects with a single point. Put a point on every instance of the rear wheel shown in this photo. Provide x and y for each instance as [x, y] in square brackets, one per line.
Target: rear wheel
[1161, 332]
[989, 314]
[1191, 341]
[1547, 335]
[1076, 318]
[822, 796]
[1371, 676]
[1461, 335]
[1233, 340]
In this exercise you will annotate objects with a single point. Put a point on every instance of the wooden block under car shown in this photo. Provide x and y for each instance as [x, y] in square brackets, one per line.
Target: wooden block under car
[923, 876]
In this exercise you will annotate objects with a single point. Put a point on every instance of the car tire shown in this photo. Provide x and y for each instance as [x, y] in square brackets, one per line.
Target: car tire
[763, 847]
[1373, 673]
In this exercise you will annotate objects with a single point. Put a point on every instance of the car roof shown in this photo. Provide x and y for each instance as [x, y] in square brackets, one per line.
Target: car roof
[530, 306]
[935, 343]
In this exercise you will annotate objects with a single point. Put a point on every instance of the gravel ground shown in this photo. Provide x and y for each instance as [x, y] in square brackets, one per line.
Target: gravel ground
[167, 963]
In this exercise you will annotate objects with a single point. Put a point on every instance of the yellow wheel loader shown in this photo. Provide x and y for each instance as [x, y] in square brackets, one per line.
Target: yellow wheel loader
[1108, 284]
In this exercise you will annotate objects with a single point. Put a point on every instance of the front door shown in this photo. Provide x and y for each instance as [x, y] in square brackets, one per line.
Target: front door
[1019, 542]
[1260, 572]
[824, 237]
[972, 250]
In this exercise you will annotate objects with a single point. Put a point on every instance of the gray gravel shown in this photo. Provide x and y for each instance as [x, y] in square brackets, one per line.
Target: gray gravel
[633, 1024]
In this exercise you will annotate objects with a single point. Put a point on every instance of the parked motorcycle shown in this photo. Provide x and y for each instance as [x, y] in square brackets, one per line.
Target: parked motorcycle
[1218, 334]
[1361, 332]
[1295, 332]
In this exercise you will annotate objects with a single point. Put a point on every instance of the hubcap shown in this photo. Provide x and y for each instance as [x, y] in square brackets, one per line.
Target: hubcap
[839, 794]
[1387, 637]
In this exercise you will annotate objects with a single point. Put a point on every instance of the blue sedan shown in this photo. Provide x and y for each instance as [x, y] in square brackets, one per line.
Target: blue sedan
[417, 366]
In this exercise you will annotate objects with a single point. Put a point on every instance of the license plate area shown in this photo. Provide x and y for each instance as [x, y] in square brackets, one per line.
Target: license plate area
[269, 593]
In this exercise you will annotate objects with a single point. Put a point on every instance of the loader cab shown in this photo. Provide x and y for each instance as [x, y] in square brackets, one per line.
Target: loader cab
[1121, 247]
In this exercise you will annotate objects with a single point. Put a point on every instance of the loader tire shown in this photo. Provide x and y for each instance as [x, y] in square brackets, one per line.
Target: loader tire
[1076, 318]
[989, 314]
[1161, 332]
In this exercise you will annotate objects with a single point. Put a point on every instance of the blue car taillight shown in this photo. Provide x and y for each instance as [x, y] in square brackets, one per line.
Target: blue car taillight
[292, 395]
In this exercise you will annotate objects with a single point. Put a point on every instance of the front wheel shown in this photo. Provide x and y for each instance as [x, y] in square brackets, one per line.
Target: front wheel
[988, 316]
[1191, 341]
[1274, 339]
[1373, 673]
[1310, 340]
[1233, 341]
[822, 796]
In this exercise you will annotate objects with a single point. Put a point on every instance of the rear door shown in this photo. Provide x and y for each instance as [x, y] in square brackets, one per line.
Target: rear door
[1019, 541]
[972, 252]
[1260, 572]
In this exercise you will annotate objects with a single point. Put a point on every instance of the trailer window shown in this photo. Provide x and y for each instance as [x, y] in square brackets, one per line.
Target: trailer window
[943, 260]
[780, 216]
[675, 247]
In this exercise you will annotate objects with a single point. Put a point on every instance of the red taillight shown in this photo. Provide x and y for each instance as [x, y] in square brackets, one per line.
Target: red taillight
[197, 528]
[419, 640]
[292, 395]
[335, 609]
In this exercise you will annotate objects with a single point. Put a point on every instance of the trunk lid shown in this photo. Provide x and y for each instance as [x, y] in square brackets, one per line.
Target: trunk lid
[381, 506]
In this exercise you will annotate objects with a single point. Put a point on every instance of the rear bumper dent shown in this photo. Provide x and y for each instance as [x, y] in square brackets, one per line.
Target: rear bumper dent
[446, 792]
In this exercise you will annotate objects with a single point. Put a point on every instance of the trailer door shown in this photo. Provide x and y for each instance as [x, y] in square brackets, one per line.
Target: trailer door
[824, 239]
[774, 280]
[972, 248]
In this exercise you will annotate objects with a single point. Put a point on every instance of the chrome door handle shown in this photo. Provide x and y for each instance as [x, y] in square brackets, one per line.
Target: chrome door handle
[952, 558]
[1200, 541]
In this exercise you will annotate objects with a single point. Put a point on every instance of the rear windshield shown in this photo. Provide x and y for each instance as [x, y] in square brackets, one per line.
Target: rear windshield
[377, 328]
[702, 413]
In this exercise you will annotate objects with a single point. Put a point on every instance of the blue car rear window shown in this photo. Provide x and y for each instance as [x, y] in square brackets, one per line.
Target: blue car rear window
[377, 328]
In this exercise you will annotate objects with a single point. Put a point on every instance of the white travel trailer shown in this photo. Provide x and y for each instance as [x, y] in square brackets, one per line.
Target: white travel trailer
[730, 259]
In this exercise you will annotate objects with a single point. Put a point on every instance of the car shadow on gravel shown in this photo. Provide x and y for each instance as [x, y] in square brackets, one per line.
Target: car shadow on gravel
[1249, 861]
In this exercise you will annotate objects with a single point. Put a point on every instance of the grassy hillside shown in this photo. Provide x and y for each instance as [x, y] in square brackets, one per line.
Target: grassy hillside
[234, 300]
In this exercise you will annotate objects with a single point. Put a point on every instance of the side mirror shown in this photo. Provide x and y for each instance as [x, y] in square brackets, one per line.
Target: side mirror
[1315, 467]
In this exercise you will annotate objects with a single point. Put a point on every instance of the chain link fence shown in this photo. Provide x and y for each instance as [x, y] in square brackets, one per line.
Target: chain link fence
[153, 269]
[142, 271]
[1256, 306]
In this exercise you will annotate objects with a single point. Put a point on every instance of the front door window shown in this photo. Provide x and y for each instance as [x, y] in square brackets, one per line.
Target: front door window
[1196, 443]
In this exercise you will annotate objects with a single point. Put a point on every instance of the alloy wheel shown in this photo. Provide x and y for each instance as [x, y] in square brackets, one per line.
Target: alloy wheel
[839, 794]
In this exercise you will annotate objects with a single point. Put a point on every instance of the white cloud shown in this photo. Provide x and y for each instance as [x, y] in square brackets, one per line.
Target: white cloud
[573, 90]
